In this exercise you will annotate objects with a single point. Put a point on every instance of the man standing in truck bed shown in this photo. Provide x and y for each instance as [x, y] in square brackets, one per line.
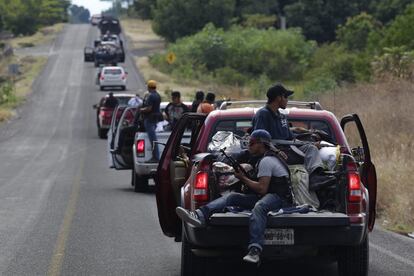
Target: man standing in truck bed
[152, 115]
[270, 192]
[276, 123]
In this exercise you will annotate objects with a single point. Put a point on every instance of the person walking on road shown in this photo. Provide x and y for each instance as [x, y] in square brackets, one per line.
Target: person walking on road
[199, 98]
[271, 119]
[270, 192]
[175, 109]
[208, 104]
[152, 115]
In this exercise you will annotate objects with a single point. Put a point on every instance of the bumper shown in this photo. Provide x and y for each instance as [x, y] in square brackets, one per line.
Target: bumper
[112, 83]
[309, 232]
[146, 168]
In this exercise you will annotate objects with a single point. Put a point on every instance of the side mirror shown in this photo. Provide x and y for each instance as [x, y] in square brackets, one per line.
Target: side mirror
[95, 106]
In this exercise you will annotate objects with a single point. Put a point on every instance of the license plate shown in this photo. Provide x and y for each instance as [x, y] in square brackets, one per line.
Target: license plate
[279, 237]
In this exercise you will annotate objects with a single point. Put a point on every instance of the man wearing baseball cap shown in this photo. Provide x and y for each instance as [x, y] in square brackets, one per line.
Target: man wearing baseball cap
[270, 192]
[152, 115]
[271, 119]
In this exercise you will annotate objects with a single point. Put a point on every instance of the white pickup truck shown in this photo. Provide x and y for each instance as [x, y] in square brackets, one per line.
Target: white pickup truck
[130, 149]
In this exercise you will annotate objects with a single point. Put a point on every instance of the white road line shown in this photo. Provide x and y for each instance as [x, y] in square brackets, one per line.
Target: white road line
[392, 255]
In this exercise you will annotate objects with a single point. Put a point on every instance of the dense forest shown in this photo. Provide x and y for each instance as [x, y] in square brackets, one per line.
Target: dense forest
[318, 45]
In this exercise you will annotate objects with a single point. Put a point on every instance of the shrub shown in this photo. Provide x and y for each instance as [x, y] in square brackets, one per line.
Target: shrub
[241, 51]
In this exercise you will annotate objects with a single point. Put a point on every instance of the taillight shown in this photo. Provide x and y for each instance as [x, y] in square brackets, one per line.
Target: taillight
[200, 192]
[123, 77]
[354, 187]
[140, 148]
[102, 77]
[354, 190]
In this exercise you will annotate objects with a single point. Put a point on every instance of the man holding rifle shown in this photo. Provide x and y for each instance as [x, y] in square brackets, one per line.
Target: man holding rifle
[270, 119]
[270, 192]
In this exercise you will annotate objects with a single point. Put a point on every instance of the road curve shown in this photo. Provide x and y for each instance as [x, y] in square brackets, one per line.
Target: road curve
[63, 212]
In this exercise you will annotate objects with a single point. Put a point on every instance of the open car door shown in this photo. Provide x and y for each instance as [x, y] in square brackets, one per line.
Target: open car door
[352, 126]
[89, 54]
[123, 140]
[116, 116]
[173, 170]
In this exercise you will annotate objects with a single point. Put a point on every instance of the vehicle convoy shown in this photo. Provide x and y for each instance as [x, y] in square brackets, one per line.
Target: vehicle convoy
[131, 149]
[104, 113]
[340, 229]
[112, 76]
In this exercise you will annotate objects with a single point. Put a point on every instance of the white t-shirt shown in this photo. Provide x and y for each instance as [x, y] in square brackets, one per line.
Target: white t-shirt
[135, 102]
[271, 166]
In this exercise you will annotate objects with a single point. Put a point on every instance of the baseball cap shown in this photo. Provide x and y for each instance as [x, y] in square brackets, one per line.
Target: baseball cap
[152, 84]
[278, 90]
[261, 135]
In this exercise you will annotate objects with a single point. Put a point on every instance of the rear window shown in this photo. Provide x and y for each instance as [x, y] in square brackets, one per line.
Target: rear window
[240, 127]
[112, 71]
[123, 100]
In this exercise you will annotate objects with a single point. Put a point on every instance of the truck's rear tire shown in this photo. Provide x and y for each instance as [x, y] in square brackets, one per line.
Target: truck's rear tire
[140, 183]
[353, 260]
[190, 263]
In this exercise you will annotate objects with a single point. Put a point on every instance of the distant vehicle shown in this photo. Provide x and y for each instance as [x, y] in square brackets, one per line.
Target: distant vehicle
[133, 150]
[104, 114]
[113, 76]
[339, 229]
[109, 25]
[95, 19]
[105, 52]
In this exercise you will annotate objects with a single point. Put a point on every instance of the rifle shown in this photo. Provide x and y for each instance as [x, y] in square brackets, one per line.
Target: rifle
[236, 166]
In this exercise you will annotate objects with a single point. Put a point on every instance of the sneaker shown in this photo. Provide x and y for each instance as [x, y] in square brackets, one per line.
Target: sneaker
[317, 181]
[253, 256]
[190, 217]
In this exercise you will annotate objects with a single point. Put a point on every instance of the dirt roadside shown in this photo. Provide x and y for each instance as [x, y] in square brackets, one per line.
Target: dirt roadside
[30, 54]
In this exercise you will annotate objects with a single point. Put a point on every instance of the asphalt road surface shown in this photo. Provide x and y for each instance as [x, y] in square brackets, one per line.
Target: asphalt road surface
[63, 212]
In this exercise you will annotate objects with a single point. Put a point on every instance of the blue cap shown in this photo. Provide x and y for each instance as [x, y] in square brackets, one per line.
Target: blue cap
[261, 134]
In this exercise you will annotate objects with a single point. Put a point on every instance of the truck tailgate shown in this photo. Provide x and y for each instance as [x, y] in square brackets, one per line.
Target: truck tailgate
[286, 220]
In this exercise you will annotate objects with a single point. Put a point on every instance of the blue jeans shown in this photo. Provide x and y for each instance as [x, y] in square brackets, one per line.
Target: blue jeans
[259, 206]
[150, 127]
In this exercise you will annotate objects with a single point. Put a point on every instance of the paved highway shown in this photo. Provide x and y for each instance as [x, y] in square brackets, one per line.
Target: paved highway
[63, 212]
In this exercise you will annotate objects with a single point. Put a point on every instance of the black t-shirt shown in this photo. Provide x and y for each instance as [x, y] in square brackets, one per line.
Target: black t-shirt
[111, 102]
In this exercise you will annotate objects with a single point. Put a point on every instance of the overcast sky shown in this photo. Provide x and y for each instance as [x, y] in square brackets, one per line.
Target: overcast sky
[94, 6]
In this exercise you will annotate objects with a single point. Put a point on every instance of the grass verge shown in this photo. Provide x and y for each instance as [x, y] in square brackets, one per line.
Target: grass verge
[29, 67]
[43, 36]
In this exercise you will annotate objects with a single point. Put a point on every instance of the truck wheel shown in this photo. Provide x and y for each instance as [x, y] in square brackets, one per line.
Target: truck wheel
[102, 133]
[123, 88]
[140, 183]
[190, 263]
[353, 260]
[102, 88]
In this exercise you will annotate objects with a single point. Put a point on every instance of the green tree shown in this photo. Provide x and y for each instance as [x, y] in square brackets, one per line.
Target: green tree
[401, 31]
[79, 14]
[319, 18]
[357, 31]
[386, 10]
[145, 8]
[178, 18]
[20, 17]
